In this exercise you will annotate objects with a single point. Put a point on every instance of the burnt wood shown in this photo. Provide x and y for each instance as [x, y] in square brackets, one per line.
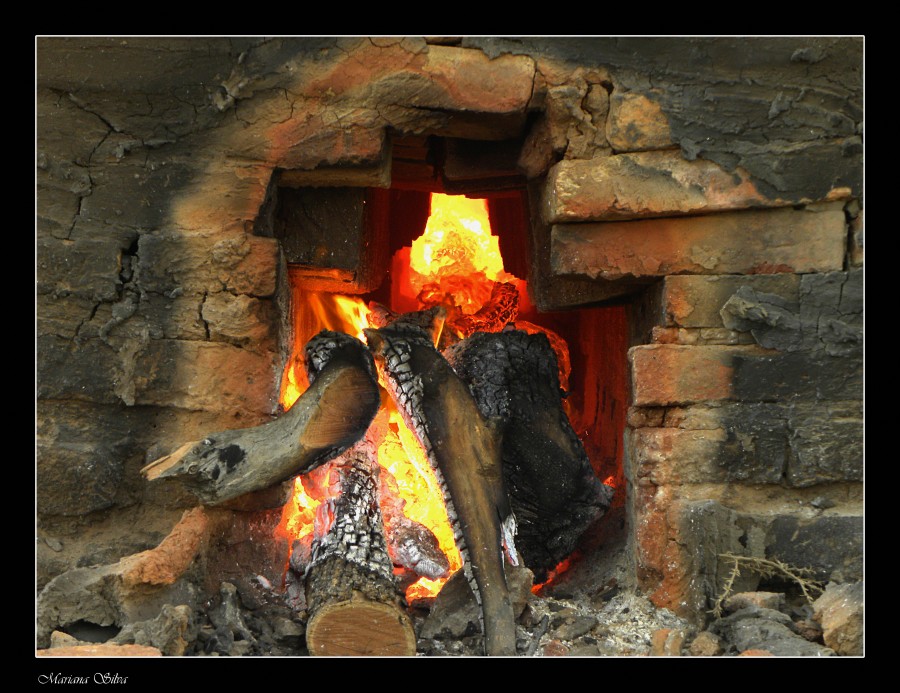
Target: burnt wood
[553, 491]
[329, 417]
[463, 448]
[351, 593]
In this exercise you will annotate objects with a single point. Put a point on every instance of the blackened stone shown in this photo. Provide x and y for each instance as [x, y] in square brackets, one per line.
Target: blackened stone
[826, 442]
[832, 547]
[797, 375]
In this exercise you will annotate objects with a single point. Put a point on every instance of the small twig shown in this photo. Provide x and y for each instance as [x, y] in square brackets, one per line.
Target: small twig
[766, 568]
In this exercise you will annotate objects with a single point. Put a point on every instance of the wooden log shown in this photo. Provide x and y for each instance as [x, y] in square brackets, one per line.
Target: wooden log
[463, 448]
[351, 592]
[553, 491]
[327, 419]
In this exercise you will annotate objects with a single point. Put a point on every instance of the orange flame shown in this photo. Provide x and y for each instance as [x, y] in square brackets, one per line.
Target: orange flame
[455, 263]
[399, 453]
[457, 257]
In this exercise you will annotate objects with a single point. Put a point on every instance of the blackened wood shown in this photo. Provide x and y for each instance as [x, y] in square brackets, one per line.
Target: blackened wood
[553, 490]
[351, 593]
[329, 417]
[463, 449]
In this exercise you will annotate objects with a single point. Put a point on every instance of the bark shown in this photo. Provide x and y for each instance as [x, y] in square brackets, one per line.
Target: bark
[553, 491]
[328, 418]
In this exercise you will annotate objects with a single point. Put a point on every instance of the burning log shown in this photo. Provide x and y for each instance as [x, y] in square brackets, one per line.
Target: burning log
[327, 419]
[464, 450]
[553, 491]
[351, 592]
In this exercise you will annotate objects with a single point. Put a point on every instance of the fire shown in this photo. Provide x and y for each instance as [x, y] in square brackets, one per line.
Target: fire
[400, 453]
[457, 259]
[456, 263]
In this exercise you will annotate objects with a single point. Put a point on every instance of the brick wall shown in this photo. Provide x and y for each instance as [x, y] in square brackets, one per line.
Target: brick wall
[713, 186]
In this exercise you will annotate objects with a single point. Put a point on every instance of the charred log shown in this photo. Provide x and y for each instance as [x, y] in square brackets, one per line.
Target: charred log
[464, 450]
[329, 417]
[351, 593]
[553, 490]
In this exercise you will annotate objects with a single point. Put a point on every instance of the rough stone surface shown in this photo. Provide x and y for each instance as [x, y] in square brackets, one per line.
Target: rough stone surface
[636, 122]
[764, 629]
[171, 632]
[788, 110]
[766, 600]
[649, 184]
[750, 242]
[828, 314]
[831, 546]
[697, 301]
[841, 611]
[706, 644]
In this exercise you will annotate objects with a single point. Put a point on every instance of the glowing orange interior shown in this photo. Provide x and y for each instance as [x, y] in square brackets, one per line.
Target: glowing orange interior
[455, 263]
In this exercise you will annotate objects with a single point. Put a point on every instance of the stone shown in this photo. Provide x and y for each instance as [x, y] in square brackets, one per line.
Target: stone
[706, 644]
[182, 264]
[749, 242]
[240, 320]
[666, 642]
[828, 315]
[636, 122]
[203, 375]
[135, 588]
[555, 648]
[830, 545]
[578, 626]
[857, 240]
[697, 300]
[756, 653]
[84, 268]
[651, 184]
[767, 600]
[775, 638]
[171, 632]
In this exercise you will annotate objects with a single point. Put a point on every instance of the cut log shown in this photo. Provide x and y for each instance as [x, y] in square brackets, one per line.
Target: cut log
[328, 418]
[553, 491]
[351, 592]
[464, 450]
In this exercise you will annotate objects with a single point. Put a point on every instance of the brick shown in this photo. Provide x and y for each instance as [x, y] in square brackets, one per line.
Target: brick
[831, 546]
[826, 442]
[636, 122]
[68, 371]
[648, 184]
[204, 375]
[83, 268]
[666, 374]
[696, 300]
[751, 242]
[240, 320]
[671, 456]
[180, 264]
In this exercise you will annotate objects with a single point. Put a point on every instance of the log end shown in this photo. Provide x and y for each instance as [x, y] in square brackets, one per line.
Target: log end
[360, 628]
[159, 467]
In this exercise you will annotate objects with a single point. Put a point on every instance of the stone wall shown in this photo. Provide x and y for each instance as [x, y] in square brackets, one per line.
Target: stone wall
[713, 185]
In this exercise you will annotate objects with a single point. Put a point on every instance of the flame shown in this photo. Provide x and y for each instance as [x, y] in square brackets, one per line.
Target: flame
[457, 259]
[399, 453]
[455, 263]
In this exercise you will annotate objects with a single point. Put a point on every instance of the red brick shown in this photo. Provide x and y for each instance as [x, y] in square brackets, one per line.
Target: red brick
[666, 374]
[663, 456]
[650, 184]
[752, 242]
